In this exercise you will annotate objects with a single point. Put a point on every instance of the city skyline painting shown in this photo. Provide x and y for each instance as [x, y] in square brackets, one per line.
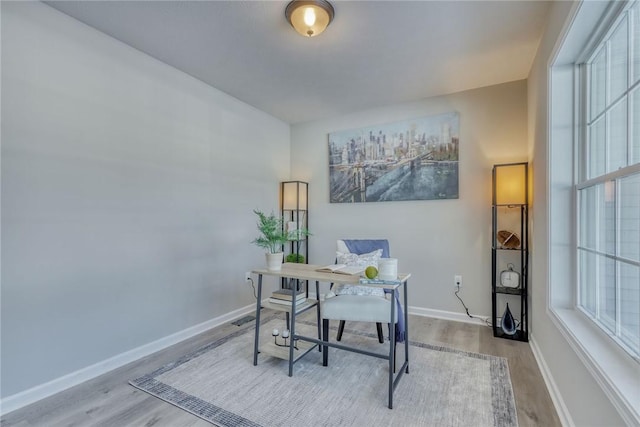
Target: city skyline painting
[414, 159]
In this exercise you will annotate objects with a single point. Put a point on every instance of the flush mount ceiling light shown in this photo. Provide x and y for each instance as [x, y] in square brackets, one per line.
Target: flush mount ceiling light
[308, 17]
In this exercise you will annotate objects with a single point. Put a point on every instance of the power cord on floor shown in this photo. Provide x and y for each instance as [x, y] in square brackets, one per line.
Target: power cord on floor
[486, 321]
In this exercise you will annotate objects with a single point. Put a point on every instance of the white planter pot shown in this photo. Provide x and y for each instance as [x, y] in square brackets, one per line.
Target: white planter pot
[274, 261]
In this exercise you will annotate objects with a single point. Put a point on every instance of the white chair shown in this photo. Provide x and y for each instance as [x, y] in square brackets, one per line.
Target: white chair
[364, 304]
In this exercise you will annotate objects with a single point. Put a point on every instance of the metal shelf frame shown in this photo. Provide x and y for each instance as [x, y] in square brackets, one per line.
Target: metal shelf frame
[294, 207]
[511, 295]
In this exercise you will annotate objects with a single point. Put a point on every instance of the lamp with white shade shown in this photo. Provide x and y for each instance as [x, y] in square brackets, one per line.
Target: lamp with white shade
[294, 204]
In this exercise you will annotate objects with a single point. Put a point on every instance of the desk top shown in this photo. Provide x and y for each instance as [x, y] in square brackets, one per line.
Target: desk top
[308, 272]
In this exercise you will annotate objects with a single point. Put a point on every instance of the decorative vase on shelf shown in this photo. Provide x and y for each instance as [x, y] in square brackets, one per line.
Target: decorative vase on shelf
[508, 323]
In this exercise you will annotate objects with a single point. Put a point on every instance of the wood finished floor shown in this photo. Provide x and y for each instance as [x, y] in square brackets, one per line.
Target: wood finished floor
[110, 401]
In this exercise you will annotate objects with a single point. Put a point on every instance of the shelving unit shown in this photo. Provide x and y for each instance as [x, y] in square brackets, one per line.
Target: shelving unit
[510, 213]
[264, 341]
[294, 208]
[270, 348]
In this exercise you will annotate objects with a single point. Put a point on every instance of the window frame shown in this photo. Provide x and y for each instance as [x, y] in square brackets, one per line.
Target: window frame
[600, 43]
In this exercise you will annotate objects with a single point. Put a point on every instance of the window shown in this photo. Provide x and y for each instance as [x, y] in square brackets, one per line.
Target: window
[608, 186]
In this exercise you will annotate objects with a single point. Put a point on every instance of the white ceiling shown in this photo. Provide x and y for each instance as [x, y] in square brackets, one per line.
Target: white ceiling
[374, 53]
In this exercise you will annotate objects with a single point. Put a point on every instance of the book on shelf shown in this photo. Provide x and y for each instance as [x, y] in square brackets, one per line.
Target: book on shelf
[353, 270]
[366, 281]
[299, 301]
[286, 294]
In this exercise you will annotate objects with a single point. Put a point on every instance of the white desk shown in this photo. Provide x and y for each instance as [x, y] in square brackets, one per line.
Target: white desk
[305, 272]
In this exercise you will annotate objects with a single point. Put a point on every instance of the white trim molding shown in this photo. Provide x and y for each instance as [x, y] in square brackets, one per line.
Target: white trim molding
[39, 392]
[448, 315]
[554, 392]
[614, 370]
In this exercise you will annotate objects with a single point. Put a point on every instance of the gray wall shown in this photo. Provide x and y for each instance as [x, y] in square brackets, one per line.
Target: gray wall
[582, 401]
[127, 190]
[435, 239]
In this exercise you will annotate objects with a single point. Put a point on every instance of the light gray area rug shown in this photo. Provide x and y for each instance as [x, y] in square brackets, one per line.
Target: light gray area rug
[444, 387]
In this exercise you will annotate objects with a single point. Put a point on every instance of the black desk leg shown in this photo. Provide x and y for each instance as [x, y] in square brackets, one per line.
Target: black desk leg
[325, 337]
[406, 328]
[258, 306]
[292, 334]
[392, 345]
[318, 311]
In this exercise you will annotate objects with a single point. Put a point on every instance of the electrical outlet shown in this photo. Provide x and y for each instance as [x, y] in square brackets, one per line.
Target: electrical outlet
[457, 281]
[247, 276]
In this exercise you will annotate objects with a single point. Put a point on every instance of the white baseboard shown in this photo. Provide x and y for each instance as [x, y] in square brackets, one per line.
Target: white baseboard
[447, 315]
[556, 397]
[27, 397]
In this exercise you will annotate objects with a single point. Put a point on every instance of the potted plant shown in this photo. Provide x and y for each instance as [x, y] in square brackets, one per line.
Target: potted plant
[296, 258]
[271, 239]
[297, 235]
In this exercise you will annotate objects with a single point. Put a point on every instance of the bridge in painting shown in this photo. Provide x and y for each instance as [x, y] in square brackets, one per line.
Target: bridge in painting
[353, 180]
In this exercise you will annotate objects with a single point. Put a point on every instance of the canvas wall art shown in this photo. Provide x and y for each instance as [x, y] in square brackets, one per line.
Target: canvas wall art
[413, 159]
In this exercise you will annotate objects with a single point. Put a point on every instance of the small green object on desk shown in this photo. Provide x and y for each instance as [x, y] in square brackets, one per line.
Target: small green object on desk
[371, 272]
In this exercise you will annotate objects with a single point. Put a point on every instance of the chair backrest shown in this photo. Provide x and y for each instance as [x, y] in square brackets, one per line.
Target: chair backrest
[363, 246]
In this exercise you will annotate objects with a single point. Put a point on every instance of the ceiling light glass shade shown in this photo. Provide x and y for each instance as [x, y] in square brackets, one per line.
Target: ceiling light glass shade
[309, 17]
